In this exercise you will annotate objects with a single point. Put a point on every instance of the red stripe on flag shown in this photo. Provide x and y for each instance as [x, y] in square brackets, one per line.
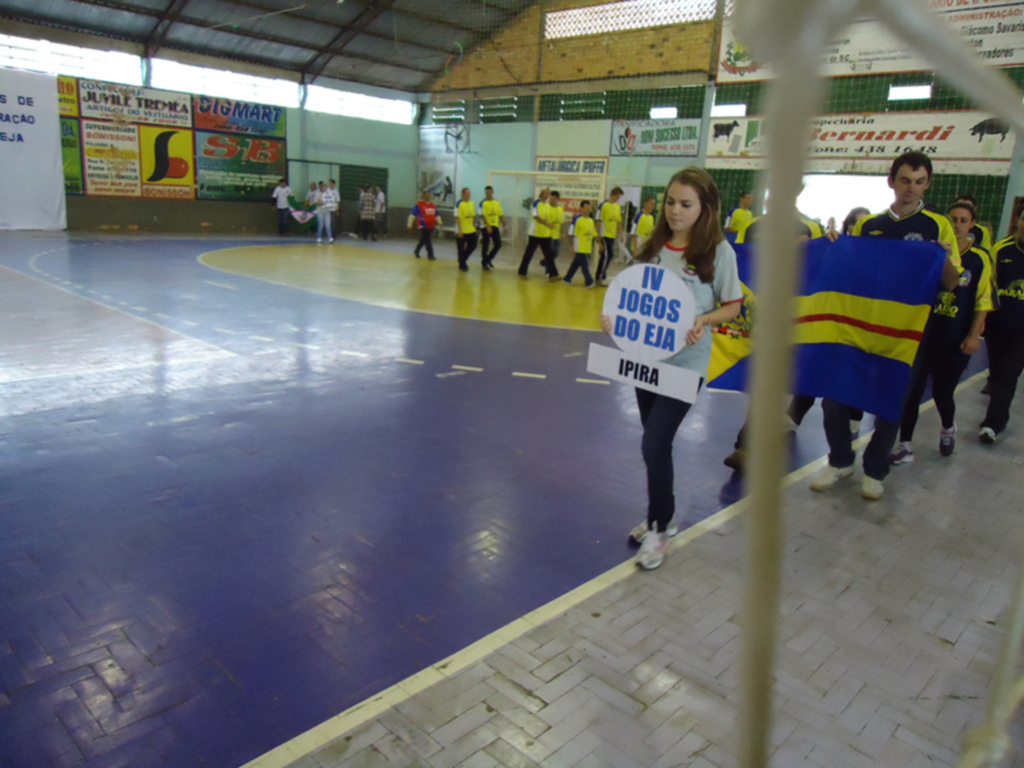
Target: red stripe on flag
[883, 330]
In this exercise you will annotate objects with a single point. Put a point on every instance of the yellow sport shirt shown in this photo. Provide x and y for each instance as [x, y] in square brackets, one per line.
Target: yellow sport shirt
[557, 219]
[583, 233]
[611, 215]
[465, 212]
[492, 213]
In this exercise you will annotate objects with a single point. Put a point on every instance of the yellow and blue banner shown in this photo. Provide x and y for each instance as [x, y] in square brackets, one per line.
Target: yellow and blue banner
[859, 318]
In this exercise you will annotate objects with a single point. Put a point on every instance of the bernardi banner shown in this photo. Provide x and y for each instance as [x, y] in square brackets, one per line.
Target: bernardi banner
[655, 138]
[993, 29]
[130, 104]
[232, 116]
[957, 142]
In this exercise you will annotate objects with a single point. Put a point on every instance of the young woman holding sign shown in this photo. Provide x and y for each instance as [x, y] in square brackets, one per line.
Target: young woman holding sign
[688, 240]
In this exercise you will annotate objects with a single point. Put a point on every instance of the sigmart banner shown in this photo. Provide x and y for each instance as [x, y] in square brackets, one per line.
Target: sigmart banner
[655, 138]
[993, 29]
[957, 142]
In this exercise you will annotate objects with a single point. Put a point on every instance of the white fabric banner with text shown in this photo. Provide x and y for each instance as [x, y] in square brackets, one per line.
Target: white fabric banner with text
[30, 157]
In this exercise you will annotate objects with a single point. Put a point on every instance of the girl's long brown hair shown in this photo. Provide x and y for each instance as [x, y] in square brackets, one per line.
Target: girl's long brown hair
[706, 233]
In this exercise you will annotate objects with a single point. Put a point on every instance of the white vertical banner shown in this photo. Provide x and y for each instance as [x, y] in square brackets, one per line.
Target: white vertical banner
[31, 164]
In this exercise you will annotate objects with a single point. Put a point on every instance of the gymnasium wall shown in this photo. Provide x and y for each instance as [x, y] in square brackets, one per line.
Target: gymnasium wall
[519, 54]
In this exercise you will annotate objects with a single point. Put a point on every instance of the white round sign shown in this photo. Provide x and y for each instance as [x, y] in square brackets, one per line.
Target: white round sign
[652, 310]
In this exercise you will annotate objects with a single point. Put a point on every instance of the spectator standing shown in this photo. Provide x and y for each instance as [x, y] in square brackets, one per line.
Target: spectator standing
[380, 208]
[327, 206]
[740, 216]
[281, 194]
[425, 219]
[367, 213]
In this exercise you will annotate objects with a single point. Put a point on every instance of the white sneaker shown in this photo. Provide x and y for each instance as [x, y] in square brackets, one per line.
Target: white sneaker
[871, 489]
[331, 240]
[652, 550]
[638, 533]
[824, 480]
[987, 435]
[904, 454]
[319, 240]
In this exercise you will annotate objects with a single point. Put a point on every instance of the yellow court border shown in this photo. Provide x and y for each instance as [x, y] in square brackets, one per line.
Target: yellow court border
[497, 296]
[321, 735]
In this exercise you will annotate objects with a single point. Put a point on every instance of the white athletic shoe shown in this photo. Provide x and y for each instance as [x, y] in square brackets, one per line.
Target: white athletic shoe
[638, 533]
[871, 489]
[904, 454]
[318, 240]
[987, 435]
[824, 480]
[331, 240]
[652, 550]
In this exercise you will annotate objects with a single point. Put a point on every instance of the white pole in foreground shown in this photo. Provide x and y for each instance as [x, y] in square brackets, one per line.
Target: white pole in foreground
[791, 36]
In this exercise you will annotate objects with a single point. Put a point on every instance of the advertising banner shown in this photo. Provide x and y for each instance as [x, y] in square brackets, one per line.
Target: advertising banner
[167, 166]
[32, 196]
[71, 152]
[111, 159]
[231, 116]
[437, 166]
[592, 173]
[238, 167]
[131, 104]
[993, 29]
[655, 138]
[957, 142]
[67, 95]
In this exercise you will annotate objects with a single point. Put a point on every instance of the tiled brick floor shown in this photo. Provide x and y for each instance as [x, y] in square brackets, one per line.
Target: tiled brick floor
[891, 620]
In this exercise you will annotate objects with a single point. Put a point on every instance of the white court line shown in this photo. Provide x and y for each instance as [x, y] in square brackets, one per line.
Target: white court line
[319, 736]
[221, 285]
[127, 314]
[593, 381]
[470, 368]
[407, 360]
[522, 375]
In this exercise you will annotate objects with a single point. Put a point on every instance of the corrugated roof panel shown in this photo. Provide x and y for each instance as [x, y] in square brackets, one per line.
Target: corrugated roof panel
[378, 74]
[402, 53]
[256, 21]
[390, 25]
[216, 43]
[79, 15]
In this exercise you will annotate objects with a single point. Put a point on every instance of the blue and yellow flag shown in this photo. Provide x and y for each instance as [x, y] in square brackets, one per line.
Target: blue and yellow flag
[859, 317]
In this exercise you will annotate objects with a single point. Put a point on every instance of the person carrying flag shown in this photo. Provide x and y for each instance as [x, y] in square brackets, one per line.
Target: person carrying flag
[906, 219]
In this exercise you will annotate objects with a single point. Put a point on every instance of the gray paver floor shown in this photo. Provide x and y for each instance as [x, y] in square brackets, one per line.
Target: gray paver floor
[890, 626]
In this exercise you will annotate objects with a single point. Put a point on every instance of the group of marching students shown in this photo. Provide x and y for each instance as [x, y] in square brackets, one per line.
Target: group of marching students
[980, 295]
[483, 225]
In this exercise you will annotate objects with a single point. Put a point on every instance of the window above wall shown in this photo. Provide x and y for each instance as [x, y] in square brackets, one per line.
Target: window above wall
[58, 59]
[349, 104]
[624, 16]
[175, 76]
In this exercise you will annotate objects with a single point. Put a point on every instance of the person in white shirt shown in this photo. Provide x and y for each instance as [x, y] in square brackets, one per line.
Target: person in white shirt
[325, 209]
[281, 194]
[313, 194]
[380, 208]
